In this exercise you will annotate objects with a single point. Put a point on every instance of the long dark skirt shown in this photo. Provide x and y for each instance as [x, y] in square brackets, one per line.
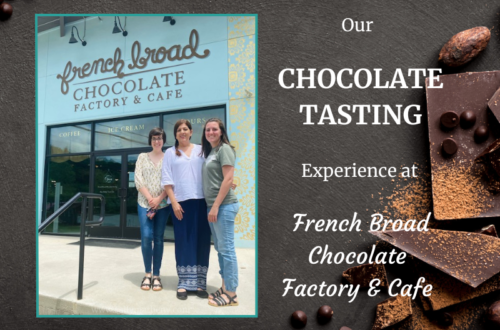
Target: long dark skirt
[192, 245]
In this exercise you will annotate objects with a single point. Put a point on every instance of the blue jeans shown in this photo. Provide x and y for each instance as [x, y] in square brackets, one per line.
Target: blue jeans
[152, 232]
[223, 234]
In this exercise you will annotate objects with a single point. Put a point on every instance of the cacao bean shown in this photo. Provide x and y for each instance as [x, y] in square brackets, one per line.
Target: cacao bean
[464, 46]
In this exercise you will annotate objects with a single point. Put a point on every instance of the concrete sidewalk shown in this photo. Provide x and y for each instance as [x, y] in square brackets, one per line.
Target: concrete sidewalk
[112, 276]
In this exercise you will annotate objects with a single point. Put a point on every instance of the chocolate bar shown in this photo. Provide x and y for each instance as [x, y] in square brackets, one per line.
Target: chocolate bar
[471, 258]
[363, 274]
[458, 317]
[460, 190]
[494, 104]
[448, 291]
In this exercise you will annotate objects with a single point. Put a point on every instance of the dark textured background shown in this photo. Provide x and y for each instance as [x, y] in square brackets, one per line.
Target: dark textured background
[296, 34]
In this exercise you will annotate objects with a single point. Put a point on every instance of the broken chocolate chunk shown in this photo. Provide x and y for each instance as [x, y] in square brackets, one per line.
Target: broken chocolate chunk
[362, 275]
[494, 105]
[469, 257]
[392, 311]
[490, 159]
[448, 291]
[493, 313]
[459, 188]
[488, 230]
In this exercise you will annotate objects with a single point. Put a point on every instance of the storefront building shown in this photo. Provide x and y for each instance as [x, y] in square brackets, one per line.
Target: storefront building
[97, 103]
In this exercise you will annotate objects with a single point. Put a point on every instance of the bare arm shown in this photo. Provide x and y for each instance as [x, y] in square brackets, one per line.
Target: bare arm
[228, 173]
[176, 207]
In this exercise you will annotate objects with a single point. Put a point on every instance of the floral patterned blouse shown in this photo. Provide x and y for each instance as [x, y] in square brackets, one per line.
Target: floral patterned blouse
[148, 175]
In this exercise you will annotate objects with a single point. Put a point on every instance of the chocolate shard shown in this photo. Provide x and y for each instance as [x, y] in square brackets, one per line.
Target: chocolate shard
[448, 291]
[392, 311]
[471, 258]
[490, 159]
[465, 316]
[362, 275]
[488, 230]
[459, 188]
[494, 104]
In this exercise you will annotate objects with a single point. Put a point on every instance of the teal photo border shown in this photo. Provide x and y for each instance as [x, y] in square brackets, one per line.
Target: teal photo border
[256, 176]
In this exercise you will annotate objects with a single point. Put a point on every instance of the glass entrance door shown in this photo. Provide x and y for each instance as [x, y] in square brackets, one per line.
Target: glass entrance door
[114, 179]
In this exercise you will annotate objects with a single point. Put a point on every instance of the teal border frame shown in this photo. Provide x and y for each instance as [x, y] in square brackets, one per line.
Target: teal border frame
[256, 176]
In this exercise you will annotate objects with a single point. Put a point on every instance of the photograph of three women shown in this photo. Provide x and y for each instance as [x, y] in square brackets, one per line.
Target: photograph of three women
[156, 115]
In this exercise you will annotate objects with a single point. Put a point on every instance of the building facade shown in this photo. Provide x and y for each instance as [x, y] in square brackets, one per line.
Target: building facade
[97, 103]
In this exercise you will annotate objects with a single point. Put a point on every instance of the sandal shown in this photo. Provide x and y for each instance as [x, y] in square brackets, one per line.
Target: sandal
[223, 303]
[216, 294]
[182, 295]
[157, 285]
[146, 286]
[202, 294]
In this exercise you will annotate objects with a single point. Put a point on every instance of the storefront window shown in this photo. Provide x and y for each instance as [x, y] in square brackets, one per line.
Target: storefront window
[70, 139]
[197, 120]
[127, 133]
[66, 177]
[117, 143]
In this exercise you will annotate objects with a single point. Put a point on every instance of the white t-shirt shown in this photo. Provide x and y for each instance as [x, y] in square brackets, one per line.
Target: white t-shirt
[183, 173]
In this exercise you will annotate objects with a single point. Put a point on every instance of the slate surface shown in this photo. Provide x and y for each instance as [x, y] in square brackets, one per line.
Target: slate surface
[296, 34]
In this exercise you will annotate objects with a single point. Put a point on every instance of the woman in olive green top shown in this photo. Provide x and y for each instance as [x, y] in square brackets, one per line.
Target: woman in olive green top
[217, 173]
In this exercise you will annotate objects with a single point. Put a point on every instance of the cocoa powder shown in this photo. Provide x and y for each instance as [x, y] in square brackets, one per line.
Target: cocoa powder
[458, 192]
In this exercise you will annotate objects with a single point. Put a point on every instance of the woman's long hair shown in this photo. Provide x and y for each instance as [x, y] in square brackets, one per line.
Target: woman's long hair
[206, 147]
[176, 127]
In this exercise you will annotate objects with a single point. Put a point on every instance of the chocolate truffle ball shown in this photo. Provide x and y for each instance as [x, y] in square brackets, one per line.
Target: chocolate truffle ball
[493, 313]
[481, 134]
[299, 319]
[467, 119]
[324, 314]
[5, 11]
[449, 146]
[449, 119]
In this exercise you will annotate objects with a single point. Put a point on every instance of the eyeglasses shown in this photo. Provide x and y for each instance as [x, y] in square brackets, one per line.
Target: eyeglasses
[157, 138]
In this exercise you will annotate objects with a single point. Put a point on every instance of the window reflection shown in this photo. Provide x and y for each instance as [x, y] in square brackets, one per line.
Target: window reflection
[70, 139]
[197, 120]
[121, 134]
[66, 177]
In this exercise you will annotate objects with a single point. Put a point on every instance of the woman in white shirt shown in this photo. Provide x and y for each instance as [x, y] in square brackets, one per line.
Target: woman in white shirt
[181, 178]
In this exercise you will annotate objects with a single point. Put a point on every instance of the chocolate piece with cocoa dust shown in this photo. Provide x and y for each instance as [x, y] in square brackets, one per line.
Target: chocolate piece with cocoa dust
[488, 230]
[448, 291]
[469, 257]
[494, 105]
[362, 275]
[392, 311]
[490, 159]
[459, 188]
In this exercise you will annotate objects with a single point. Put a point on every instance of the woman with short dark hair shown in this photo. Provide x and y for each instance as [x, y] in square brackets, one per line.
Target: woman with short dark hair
[151, 207]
